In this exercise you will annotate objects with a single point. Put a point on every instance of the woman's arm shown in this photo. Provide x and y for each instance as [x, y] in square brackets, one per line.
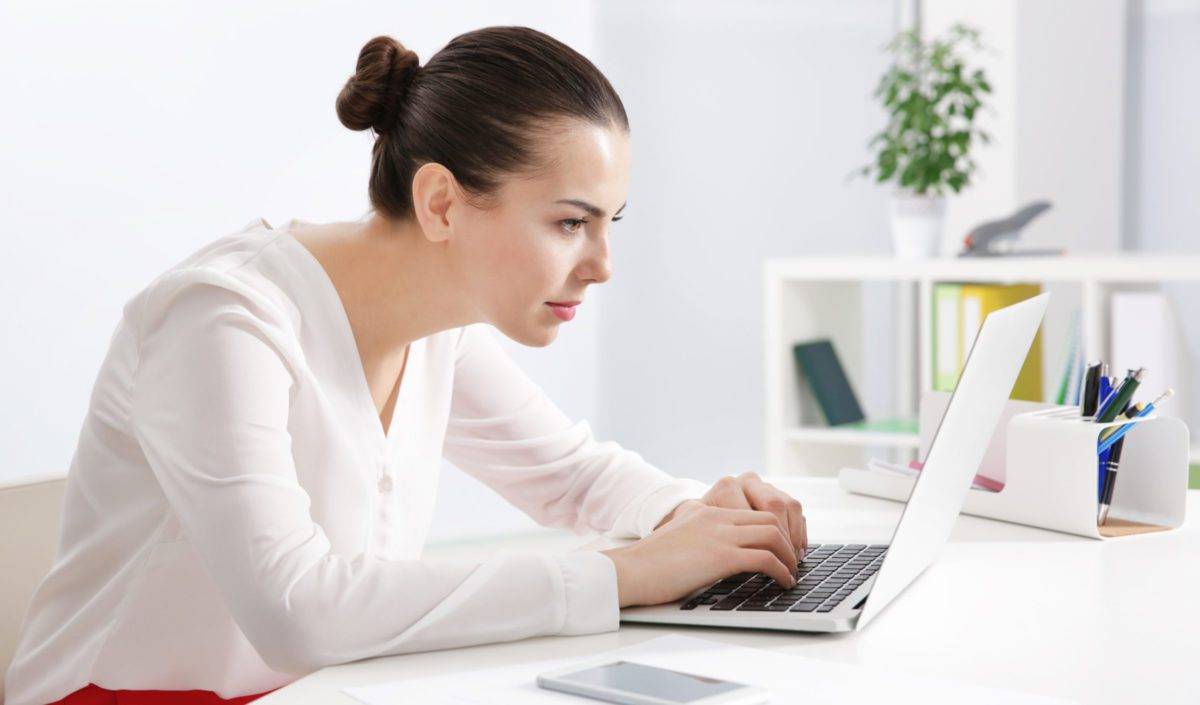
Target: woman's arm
[506, 432]
[210, 409]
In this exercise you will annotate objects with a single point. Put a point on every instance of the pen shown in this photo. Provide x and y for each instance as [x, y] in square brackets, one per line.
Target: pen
[1110, 480]
[1120, 396]
[1105, 456]
[1110, 470]
[1091, 389]
[1107, 443]
[1113, 429]
[1104, 387]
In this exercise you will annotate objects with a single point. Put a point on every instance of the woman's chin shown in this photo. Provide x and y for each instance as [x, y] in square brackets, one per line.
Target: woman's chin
[538, 334]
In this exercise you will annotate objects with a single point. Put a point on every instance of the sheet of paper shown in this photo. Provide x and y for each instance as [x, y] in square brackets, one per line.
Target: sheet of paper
[791, 679]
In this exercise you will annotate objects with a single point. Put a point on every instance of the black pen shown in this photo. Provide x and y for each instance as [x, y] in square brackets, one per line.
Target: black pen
[1114, 459]
[1091, 389]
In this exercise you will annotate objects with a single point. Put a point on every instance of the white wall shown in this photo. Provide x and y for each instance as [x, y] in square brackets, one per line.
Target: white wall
[1162, 211]
[133, 133]
[1164, 107]
[1057, 118]
[144, 131]
[746, 118]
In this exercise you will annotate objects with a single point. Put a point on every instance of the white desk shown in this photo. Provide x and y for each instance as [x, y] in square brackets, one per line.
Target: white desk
[1004, 605]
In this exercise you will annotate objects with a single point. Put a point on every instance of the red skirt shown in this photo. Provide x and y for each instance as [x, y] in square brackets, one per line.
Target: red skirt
[93, 694]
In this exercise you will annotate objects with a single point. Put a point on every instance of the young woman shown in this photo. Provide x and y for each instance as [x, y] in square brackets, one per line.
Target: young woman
[256, 472]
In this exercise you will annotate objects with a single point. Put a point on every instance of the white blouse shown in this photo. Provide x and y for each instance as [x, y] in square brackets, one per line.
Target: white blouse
[236, 517]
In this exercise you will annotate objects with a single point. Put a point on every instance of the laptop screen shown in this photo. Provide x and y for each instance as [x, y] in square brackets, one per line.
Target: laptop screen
[957, 448]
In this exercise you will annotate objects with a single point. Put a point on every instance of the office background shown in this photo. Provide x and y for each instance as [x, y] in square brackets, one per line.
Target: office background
[133, 133]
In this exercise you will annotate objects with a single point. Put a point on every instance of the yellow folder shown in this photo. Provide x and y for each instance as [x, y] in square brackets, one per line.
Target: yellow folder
[976, 302]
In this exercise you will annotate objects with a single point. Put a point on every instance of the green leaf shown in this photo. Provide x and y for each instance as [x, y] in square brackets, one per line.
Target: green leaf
[931, 98]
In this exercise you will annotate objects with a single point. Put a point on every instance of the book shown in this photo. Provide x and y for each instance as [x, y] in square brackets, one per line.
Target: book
[947, 345]
[1070, 386]
[1145, 331]
[818, 364]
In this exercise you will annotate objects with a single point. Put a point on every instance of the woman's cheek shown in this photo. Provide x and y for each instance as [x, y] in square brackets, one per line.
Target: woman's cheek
[537, 265]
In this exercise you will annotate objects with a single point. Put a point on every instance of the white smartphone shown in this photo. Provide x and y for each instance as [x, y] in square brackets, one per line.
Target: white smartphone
[631, 683]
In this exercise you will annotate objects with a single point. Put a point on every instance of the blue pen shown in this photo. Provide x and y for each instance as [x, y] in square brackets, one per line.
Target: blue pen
[1104, 395]
[1107, 442]
[1106, 390]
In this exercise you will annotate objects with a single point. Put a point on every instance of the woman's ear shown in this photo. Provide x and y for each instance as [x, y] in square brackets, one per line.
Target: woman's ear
[434, 190]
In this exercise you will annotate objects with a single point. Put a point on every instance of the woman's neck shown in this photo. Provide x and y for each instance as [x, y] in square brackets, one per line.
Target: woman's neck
[395, 285]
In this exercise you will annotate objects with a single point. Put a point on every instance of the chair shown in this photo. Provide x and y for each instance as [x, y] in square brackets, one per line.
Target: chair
[30, 520]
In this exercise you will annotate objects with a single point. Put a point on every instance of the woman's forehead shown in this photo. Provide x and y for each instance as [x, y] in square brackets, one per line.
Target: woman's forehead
[583, 161]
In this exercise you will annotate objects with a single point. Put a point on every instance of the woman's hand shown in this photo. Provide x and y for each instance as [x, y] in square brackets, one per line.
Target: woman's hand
[700, 545]
[748, 491]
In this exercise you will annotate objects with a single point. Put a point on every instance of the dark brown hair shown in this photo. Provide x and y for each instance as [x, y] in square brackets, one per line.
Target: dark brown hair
[476, 107]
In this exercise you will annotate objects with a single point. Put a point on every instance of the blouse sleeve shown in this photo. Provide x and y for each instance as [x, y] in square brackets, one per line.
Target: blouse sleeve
[210, 407]
[506, 432]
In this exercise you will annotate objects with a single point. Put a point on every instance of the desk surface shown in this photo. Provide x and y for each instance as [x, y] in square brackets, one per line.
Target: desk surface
[1004, 605]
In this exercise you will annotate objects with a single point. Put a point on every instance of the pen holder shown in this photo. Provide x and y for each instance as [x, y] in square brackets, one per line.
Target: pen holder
[1046, 457]
[1052, 469]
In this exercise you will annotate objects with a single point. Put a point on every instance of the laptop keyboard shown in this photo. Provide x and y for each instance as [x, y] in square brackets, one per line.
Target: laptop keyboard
[828, 573]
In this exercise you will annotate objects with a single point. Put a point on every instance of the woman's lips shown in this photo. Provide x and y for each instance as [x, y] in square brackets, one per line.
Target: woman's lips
[564, 311]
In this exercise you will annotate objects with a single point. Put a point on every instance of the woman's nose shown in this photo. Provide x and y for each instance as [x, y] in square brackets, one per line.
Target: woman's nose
[597, 267]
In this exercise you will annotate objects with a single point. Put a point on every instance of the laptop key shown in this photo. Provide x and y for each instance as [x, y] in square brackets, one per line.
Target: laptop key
[825, 608]
[804, 607]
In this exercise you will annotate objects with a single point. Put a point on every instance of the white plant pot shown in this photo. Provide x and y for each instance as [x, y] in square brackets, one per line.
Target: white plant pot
[916, 225]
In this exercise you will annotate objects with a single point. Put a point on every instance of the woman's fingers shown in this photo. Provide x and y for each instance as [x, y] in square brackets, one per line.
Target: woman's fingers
[767, 498]
[727, 492]
[799, 527]
[760, 560]
[803, 534]
[769, 538]
[742, 517]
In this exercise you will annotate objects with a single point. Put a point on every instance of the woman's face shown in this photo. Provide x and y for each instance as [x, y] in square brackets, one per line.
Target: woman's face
[544, 238]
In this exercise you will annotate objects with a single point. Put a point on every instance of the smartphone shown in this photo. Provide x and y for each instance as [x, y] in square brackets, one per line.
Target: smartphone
[631, 683]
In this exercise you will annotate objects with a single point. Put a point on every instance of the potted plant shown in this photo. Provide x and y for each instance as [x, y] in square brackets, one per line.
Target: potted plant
[925, 149]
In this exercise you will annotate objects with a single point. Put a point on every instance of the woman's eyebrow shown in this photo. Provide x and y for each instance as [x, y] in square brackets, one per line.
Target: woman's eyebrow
[594, 211]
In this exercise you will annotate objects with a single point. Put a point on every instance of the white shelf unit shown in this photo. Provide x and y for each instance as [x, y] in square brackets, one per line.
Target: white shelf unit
[877, 311]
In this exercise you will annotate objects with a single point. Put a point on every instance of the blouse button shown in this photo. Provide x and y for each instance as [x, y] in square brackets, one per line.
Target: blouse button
[385, 484]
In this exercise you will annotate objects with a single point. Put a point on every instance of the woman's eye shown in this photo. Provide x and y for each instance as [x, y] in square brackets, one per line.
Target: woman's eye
[571, 225]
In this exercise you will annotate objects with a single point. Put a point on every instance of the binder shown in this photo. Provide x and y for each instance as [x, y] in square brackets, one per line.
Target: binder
[947, 346]
[977, 301]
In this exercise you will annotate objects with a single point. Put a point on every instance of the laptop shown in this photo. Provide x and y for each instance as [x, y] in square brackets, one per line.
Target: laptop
[843, 587]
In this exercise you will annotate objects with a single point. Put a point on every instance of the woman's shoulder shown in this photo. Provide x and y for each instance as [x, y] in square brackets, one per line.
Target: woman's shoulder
[227, 273]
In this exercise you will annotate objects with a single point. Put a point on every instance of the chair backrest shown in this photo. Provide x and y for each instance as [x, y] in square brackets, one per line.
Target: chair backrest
[30, 520]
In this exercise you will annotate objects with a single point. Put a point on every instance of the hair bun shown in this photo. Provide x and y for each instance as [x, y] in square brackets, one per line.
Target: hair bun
[371, 97]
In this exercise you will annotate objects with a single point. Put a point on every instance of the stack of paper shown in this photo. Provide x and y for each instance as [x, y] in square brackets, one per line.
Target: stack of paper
[791, 679]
